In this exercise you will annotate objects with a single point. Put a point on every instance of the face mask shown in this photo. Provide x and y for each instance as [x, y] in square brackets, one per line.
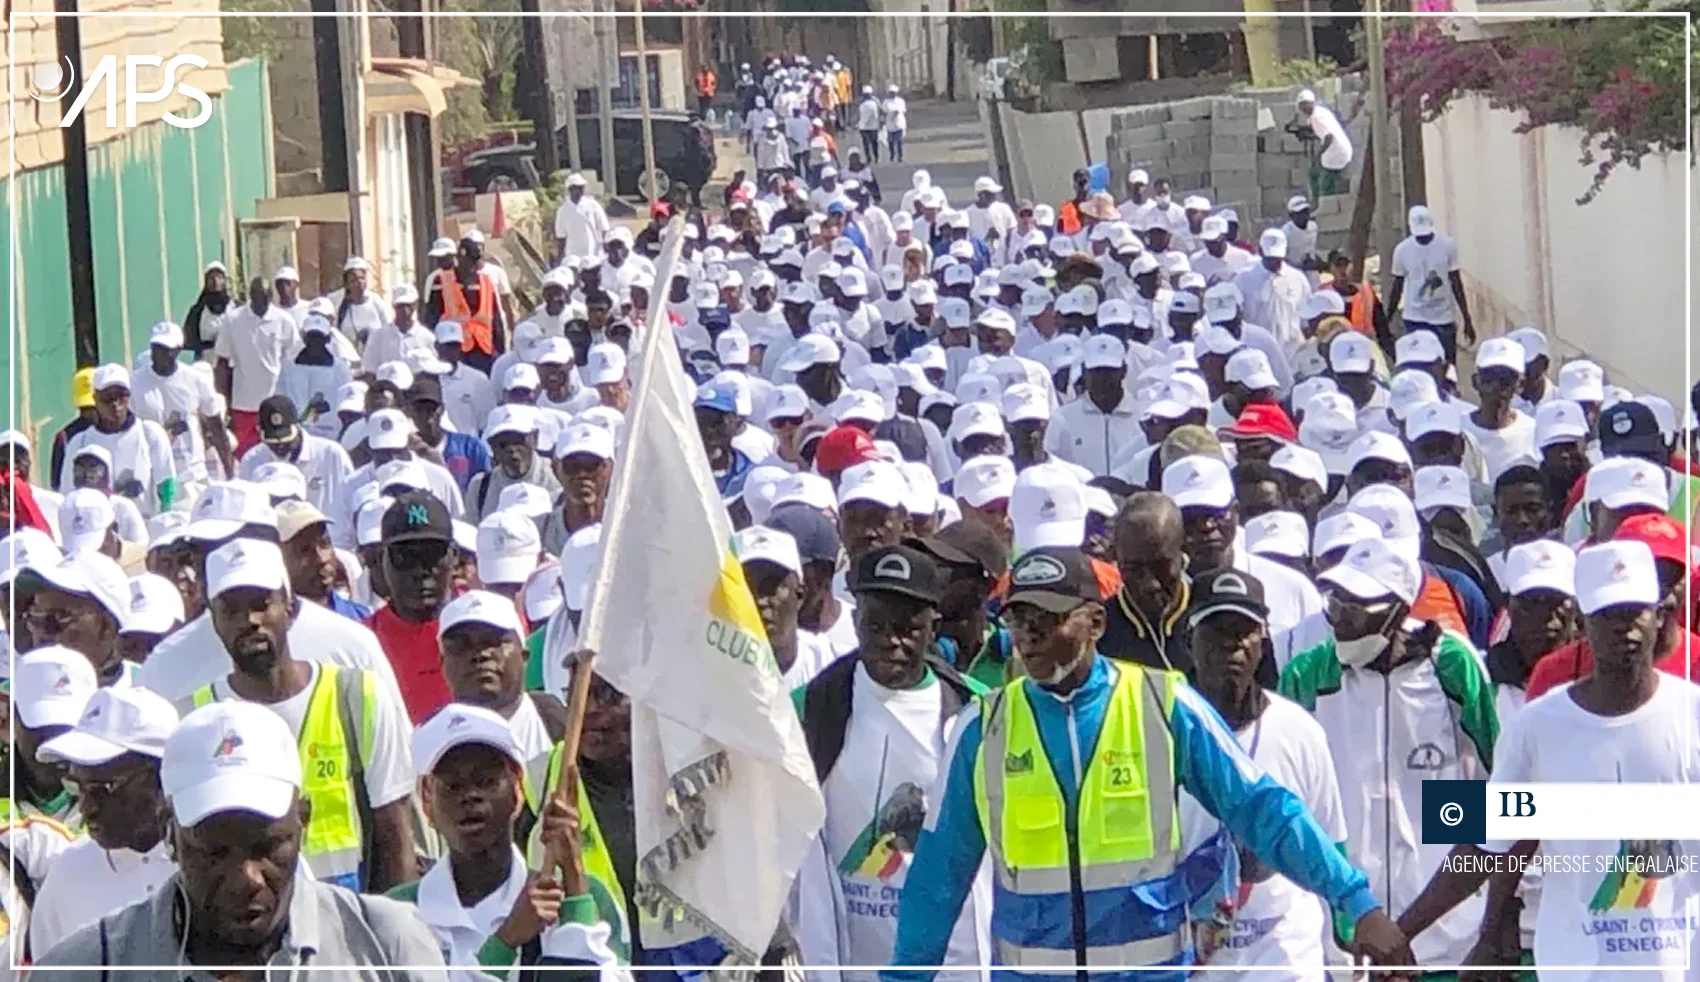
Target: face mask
[1359, 652]
[1163, 199]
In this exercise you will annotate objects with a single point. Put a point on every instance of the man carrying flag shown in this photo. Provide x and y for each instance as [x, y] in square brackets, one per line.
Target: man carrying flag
[725, 798]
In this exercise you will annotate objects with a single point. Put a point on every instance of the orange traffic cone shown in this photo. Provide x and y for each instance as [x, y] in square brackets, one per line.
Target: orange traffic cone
[499, 221]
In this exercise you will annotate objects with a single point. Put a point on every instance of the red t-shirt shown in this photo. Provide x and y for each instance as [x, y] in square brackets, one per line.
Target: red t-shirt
[1576, 660]
[411, 647]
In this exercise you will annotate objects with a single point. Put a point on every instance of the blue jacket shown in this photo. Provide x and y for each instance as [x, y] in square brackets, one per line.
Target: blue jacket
[1209, 764]
[1478, 613]
[465, 455]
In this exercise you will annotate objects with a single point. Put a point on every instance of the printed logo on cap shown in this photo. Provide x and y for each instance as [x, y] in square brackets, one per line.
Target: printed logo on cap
[1621, 425]
[92, 713]
[457, 721]
[386, 424]
[1638, 478]
[238, 558]
[62, 684]
[1194, 477]
[417, 515]
[1620, 570]
[228, 745]
[1039, 571]
[1048, 509]
[275, 419]
[1231, 584]
[893, 567]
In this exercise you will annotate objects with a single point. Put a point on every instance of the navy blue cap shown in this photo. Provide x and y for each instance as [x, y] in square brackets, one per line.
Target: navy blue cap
[816, 535]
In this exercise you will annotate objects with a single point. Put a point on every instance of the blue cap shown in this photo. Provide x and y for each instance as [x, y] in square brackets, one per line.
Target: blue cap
[836, 208]
[720, 398]
[817, 537]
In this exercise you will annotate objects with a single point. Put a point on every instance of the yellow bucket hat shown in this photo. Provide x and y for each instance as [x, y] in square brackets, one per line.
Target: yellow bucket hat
[82, 388]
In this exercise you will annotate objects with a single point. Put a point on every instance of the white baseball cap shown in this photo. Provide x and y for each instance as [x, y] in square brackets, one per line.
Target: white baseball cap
[1440, 486]
[975, 419]
[281, 479]
[1341, 530]
[155, 605]
[1394, 515]
[1273, 242]
[810, 350]
[604, 364]
[1331, 434]
[396, 373]
[511, 418]
[758, 543]
[460, 725]
[787, 402]
[1047, 507]
[115, 721]
[1418, 348]
[985, 479]
[1533, 340]
[587, 438]
[1278, 533]
[245, 563]
[231, 756]
[166, 334]
[1559, 419]
[110, 376]
[1500, 353]
[805, 488]
[481, 607]
[1103, 351]
[1624, 482]
[1540, 565]
[407, 474]
[1198, 481]
[1351, 352]
[877, 481]
[508, 547]
[1581, 381]
[525, 499]
[1408, 390]
[1222, 303]
[1026, 401]
[1373, 569]
[1250, 367]
[1421, 222]
[93, 575]
[1322, 303]
[732, 347]
[1434, 417]
[51, 685]
[523, 375]
[368, 520]
[858, 404]
[388, 429]
[1618, 572]
[1301, 462]
[85, 516]
[1376, 445]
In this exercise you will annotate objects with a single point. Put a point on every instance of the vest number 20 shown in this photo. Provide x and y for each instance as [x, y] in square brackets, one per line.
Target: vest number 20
[324, 769]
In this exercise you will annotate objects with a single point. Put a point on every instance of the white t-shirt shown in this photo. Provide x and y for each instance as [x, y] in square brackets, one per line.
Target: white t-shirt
[814, 653]
[194, 656]
[392, 343]
[1427, 271]
[141, 454]
[1325, 124]
[256, 346]
[302, 383]
[582, 224]
[183, 395]
[88, 882]
[1639, 926]
[896, 113]
[529, 731]
[361, 318]
[1278, 924]
[389, 775]
[1504, 447]
[323, 463]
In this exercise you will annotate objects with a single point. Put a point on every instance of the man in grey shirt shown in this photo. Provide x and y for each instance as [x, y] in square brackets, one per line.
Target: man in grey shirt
[241, 895]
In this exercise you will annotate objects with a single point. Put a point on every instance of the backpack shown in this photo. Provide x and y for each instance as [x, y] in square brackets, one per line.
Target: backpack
[827, 704]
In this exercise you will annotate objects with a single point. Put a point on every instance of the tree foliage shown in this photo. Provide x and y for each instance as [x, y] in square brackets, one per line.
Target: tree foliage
[1620, 81]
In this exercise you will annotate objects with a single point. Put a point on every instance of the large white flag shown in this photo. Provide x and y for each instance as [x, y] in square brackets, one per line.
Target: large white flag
[725, 792]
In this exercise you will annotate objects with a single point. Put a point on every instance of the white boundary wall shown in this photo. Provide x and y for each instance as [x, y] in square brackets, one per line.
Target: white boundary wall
[1606, 279]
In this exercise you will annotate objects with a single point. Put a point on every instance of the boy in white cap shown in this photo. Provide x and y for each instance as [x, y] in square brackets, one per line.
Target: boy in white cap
[1402, 701]
[480, 901]
[143, 465]
[1426, 263]
[1627, 722]
[234, 779]
[352, 731]
[112, 756]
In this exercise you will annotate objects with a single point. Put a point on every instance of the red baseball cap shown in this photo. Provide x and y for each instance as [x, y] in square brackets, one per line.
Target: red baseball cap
[843, 448]
[1661, 533]
[1264, 419]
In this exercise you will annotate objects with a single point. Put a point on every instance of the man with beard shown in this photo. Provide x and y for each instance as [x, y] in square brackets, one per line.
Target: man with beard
[232, 773]
[185, 404]
[143, 466]
[417, 562]
[1275, 923]
[1056, 743]
[250, 354]
[311, 559]
[878, 723]
[351, 735]
[584, 464]
[322, 462]
[512, 434]
[112, 755]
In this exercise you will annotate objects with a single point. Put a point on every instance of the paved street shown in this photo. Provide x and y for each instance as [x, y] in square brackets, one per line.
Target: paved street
[946, 139]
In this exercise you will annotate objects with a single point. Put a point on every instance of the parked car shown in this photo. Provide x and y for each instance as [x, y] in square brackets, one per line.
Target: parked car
[510, 168]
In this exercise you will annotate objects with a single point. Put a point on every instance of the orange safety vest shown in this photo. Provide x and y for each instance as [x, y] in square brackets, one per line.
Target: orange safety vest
[1360, 309]
[705, 82]
[478, 330]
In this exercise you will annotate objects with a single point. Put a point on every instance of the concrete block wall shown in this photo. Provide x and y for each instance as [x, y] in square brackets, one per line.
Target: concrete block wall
[1234, 150]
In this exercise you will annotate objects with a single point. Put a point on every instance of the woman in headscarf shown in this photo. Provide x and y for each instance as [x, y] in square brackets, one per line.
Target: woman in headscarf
[206, 318]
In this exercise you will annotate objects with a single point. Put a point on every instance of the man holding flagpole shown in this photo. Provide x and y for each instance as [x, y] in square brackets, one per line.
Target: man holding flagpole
[725, 798]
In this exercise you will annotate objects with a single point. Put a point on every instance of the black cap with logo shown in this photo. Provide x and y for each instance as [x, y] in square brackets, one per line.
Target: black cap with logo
[1227, 590]
[902, 570]
[1629, 429]
[277, 419]
[415, 516]
[1054, 578]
